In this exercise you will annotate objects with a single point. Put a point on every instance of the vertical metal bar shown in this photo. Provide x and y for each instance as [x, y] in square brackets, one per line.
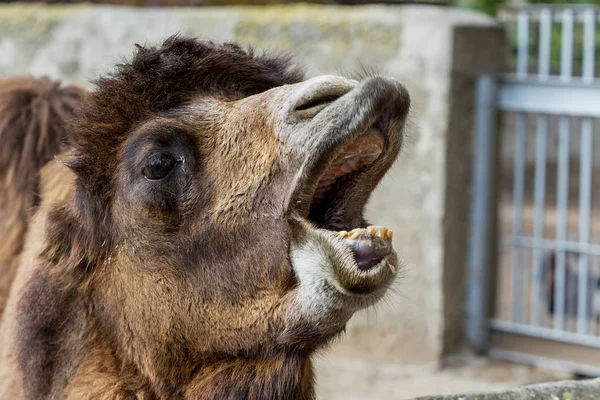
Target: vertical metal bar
[589, 45]
[545, 44]
[482, 213]
[562, 189]
[522, 44]
[539, 194]
[566, 47]
[585, 200]
[518, 197]
[562, 200]
[539, 198]
[585, 174]
[594, 295]
[595, 298]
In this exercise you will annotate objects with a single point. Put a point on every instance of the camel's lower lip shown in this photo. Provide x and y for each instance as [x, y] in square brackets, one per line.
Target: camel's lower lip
[369, 246]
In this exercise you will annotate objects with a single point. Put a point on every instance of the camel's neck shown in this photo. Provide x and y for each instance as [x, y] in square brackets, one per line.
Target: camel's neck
[99, 370]
[279, 377]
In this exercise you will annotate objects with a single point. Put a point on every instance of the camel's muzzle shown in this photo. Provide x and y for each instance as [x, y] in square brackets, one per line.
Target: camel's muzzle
[353, 135]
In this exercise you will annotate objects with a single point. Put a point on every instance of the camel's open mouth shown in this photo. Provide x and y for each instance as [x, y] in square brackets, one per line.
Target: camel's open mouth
[337, 184]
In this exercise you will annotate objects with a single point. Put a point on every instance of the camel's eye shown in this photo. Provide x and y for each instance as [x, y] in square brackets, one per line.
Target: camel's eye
[159, 165]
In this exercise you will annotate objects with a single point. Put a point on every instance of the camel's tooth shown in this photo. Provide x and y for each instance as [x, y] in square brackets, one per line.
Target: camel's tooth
[355, 233]
[342, 234]
[382, 232]
[390, 234]
[392, 267]
[372, 230]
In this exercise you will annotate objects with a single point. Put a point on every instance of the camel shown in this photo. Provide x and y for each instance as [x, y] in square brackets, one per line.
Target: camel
[32, 131]
[192, 227]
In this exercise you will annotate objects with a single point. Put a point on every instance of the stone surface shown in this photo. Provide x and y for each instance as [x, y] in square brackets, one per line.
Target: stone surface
[436, 52]
[568, 390]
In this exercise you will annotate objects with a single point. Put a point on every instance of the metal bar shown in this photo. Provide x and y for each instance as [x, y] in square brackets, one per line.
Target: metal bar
[534, 11]
[545, 44]
[589, 45]
[562, 189]
[562, 202]
[588, 75]
[539, 200]
[550, 97]
[544, 362]
[522, 44]
[545, 333]
[585, 199]
[566, 48]
[549, 244]
[596, 299]
[482, 213]
[579, 356]
[518, 196]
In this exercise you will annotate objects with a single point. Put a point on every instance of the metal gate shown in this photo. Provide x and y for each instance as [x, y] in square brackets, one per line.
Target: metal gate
[534, 290]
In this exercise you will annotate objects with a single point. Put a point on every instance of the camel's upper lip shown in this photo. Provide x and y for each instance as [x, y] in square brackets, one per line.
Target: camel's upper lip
[344, 167]
[359, 153]
[353, 136]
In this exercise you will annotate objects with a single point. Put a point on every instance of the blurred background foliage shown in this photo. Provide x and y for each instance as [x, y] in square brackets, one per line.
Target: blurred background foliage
[490, 7]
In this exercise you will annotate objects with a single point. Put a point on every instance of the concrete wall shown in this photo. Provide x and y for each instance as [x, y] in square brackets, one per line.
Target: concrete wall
[436, 52]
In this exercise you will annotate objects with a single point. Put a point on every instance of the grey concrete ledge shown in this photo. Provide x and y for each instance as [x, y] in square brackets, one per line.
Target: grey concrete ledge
[567, 390]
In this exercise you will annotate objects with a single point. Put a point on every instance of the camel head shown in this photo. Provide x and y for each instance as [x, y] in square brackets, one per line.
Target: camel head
[214, 237]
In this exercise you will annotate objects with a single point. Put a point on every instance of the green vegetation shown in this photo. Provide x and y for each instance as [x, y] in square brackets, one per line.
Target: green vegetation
[491, 6]
[555, 46]
[487, 6]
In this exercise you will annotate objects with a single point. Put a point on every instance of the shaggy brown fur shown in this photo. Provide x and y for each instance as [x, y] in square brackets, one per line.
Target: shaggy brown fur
[183, 286]
[156, 80]
[32, 131]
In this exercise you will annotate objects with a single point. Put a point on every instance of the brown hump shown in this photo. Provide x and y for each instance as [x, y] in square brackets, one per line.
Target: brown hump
[32, 131]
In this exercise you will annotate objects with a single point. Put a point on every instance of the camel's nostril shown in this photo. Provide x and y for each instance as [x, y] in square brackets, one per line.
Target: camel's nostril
[319, 102]
[317, 96]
